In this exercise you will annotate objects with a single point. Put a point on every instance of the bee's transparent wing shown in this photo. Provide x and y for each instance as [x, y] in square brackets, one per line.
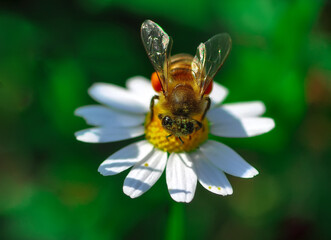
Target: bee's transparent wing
[209, 58]
[158, 46]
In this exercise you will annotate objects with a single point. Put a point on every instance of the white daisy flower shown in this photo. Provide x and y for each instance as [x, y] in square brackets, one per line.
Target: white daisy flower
[122, 116]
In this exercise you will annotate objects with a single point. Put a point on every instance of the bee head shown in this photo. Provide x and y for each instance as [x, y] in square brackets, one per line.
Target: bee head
[178, 125]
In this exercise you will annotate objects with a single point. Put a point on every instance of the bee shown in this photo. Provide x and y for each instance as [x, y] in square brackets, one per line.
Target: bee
[185, 81]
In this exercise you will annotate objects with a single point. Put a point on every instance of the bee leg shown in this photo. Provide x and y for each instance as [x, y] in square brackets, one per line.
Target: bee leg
[207, 108]
[181, 140]
[199, 125]
[168, 136]
[151, 106]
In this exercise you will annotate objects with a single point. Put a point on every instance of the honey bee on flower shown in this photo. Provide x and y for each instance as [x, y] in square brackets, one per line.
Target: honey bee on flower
[185, 81]
[177, 112]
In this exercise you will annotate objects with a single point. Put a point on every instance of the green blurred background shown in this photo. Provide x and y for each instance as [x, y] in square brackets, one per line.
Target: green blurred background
[52, 51]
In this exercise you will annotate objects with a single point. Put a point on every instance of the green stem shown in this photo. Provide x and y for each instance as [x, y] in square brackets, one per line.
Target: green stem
[175, 226]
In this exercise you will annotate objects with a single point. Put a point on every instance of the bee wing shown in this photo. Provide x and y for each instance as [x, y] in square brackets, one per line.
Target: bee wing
[209, 58]
[158, 46]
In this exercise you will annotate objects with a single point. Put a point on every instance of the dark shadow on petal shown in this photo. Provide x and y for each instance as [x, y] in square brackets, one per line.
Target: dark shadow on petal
[174, 191]
[119, 133]
[134, 150]
[121, 156]
[136, 184]
[226, 121]
[104, 171]
[118, 164]
[185, 163]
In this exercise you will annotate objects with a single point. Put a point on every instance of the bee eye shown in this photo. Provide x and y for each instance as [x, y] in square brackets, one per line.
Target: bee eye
[166, 121]
[190, 127]
[209, 88]
[156, 82]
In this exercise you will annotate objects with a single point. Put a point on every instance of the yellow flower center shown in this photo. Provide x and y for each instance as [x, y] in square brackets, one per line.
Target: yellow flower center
[157, 135]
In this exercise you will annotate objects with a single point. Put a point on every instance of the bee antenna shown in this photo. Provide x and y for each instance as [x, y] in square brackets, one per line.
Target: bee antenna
[168, 136]
[181, 140]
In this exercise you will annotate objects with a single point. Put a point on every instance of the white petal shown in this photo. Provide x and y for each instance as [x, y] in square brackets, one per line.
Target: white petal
[145, 173]
[210, 177]
[227, 160]
[181, 178]
[245, 127]
[218, 94]
[117, 97]
[125, 158]
[142, 87]
[245, 109]
[98, 115]
[102, 135]
[220, 115]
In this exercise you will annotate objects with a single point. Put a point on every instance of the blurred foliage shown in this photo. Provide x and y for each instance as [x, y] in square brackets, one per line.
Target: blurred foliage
[52, 51]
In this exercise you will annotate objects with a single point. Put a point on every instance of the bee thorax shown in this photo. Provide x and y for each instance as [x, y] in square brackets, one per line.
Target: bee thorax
[182, 100]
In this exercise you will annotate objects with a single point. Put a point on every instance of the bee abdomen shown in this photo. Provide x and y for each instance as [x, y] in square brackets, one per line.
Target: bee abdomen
[180, 69]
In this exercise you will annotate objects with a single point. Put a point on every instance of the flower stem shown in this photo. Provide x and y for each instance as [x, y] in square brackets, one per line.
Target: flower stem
[175, 226]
